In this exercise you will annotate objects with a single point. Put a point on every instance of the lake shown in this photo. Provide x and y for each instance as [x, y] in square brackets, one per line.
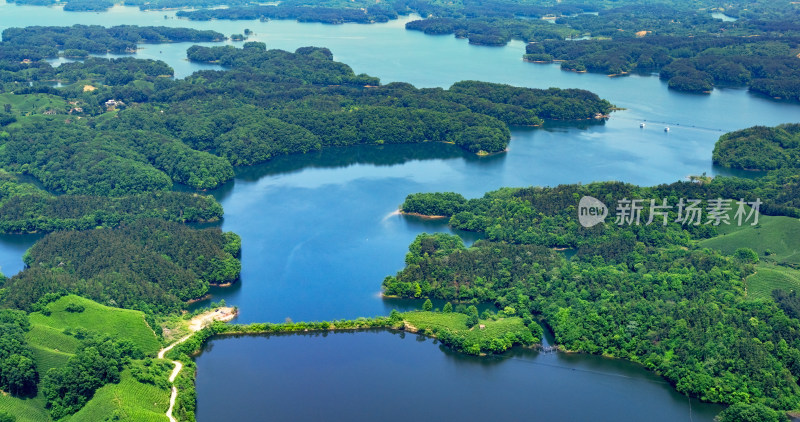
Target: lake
[320, 232]
[391, 376]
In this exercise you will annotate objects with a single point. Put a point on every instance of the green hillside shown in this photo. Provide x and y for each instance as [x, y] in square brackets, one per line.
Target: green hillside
[776, 240]
[115, 322]
[129, 400]
[778, 235]
[494, 335]
[770, 277]
[47, 358]
[54, 338]
[33, 103]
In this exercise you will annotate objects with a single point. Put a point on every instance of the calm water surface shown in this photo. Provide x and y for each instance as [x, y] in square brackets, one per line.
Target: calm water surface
[320, 232]
[389, 376]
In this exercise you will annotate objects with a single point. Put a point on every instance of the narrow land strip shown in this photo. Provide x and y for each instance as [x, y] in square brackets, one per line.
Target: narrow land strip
[197, 323]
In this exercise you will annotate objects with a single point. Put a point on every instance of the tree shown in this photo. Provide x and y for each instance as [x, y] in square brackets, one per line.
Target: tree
[472, 316]
[746, 256]
[472, 320]
[448, 307]
[428, 305]
[19, 375]
[743, 412]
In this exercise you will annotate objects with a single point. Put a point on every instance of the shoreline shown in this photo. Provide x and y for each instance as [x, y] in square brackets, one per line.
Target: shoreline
[483, 153]
[199, 299]
[197, 323]
[423, 216]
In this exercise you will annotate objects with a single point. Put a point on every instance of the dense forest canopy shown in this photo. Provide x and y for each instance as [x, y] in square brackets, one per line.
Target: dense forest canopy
[677, 312]
[25, 208]
[131, 129]
[642, 291]
[151, 265]
[766, 64]
[109, 146]
[18, 374]
[363, 11]
[38, 42]
[693, 50]
[760, 148]
[78, 159]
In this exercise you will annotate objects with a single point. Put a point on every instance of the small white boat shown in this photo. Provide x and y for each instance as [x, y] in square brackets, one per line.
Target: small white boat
[666, 129]
[641, 125]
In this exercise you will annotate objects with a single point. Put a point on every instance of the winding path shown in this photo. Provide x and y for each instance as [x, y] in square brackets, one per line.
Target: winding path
[173, 375]
[196, 324]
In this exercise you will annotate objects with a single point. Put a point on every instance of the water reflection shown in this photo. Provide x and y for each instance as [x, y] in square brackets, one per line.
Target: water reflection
[342, 157]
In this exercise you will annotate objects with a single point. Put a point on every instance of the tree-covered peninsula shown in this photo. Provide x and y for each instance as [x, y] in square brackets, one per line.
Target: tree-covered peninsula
[266, 103]
[760, 148]
[150, 265]
[37, 42]
[650, 288]
[696, 64]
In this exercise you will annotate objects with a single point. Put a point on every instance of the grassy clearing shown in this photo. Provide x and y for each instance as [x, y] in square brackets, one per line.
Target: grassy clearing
[22, 105]
[430, 320]
[130, 400]
[174, 327]
[121, 323]
[778, 235]
[769, 277]
[457, 323]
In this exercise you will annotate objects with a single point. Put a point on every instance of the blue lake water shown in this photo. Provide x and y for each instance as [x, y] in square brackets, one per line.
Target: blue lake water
[319, 231]
[389, 376]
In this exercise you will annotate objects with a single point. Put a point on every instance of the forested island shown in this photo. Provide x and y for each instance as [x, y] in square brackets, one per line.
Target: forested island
[684, 300]
[692, 50]
[267, 103]
[765, 64]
